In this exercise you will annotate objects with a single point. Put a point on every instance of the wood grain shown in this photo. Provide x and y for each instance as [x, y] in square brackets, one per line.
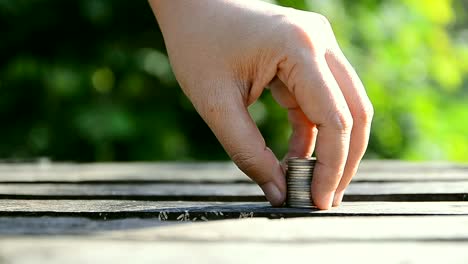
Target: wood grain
[14, 226]
[107, 212]
[332, 229]
[78, 250]
[196, 211]
[211, 172]
[363, 191]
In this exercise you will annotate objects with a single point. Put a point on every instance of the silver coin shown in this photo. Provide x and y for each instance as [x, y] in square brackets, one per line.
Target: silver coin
[301, 202]
[306, 202]
[297, 159]
[299, 182]
[299, 177]
[300, 199]
[299, 196]
[302, 169]
[295, 172]
[300, 173]
[299, 189]
[301, 160]
[299, 186]
[301, 205]
[300, 166]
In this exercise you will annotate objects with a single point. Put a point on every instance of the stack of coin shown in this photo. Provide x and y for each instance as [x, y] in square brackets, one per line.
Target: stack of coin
[299, 178]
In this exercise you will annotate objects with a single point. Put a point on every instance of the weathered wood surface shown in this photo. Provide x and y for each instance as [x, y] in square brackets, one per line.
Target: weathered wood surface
[47, 225]
[364, 191]
[307, 230]
[78, 250]
[204, 211]
[211, 172]
[412, 239]
[146, 211]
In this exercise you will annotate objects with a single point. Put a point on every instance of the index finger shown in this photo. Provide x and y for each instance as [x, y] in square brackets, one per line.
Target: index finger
[322, 101]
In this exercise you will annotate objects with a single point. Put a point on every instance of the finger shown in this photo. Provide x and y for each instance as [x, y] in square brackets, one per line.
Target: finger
[230, 121]
[319, 96]
[361, 111]
[304, 132]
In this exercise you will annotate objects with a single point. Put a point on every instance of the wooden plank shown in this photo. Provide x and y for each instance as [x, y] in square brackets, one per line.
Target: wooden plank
[424, 174]
[161, 189]
[411, 166]
[72, 250]
[161, 171]
[211, 172]
[14, 226]
[194, 211]
[332, 229]
[396, 191]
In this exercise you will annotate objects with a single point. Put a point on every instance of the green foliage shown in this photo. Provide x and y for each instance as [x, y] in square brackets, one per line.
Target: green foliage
[412, 58]
[89, 80]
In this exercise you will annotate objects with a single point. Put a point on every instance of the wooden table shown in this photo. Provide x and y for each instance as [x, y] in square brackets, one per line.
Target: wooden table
[394, 212]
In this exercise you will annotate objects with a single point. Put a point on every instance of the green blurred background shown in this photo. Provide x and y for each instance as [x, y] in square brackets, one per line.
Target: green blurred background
[89, 80]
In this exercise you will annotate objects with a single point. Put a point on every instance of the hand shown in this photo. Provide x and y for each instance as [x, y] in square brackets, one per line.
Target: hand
[224, 53]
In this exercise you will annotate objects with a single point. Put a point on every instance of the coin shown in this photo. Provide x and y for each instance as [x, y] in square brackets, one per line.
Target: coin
[299, 178]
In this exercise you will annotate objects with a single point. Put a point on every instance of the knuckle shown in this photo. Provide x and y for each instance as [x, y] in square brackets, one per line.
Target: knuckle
[326, 29]
[364, 113]
[312, 32]
[245, 160]
[324, 20]
[298, 33]
[341, 120]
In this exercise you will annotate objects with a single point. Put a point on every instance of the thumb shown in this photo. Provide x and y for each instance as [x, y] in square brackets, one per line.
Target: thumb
[228, 118]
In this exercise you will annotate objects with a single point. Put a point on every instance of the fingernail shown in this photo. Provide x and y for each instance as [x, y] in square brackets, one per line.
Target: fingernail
[338, 198]
[272, 193]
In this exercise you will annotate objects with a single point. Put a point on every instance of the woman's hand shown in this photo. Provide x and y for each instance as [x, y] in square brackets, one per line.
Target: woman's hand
[225, 52]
